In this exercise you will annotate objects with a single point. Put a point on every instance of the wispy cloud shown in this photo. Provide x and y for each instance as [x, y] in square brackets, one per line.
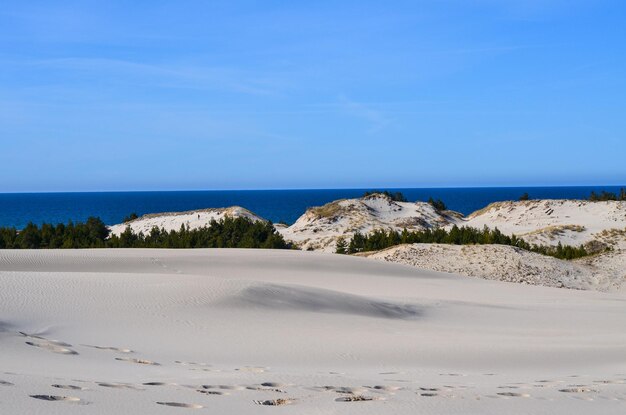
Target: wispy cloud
[186, 76]
[496, 49]
[377, 119]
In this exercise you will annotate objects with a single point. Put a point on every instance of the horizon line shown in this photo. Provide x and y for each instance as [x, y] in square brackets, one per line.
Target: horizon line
[381, 188]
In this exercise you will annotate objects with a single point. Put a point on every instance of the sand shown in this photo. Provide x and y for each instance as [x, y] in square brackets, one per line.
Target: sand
[319, 228]
[605, 272]
[235, 331]
[550, 221]
[192, 219]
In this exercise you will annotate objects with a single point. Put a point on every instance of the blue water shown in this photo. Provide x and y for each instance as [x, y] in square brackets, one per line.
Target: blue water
[17, 209]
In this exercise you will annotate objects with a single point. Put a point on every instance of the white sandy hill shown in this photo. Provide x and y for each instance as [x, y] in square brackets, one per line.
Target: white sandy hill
[320, 227]
[511, 264]
[173, 220]
[219, 331]
[542, 222]
[548, 222]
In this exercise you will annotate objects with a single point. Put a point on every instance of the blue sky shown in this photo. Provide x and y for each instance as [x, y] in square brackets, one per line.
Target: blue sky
[150, 95]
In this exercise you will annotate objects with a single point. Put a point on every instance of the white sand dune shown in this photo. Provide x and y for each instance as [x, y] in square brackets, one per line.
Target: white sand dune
[231, 331]
[193, 219]
[319, 228]
[548, 222]
[606, 272]
[543, 222]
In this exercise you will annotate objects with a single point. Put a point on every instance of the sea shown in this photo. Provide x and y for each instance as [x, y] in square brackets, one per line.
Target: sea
[18, 209]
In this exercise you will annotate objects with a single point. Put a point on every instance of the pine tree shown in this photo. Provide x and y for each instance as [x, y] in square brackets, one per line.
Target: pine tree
[342, 246]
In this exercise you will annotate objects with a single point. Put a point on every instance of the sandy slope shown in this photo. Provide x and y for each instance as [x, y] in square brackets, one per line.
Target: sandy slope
[213, 331]
[174, 220]
[506, 263]
[548, 222]
[543, 222]
[320, 227]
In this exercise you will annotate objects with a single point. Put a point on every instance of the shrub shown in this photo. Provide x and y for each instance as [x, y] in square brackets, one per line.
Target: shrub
[395, 196]
[130, 217]
[437, 204]
[381, 239]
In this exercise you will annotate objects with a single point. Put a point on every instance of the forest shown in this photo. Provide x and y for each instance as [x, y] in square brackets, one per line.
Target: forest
[226, 233]
[381, 239]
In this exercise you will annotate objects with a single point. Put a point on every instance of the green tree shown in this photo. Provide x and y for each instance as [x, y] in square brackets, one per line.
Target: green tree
[130, 217]
[342, 246]
[437, 204]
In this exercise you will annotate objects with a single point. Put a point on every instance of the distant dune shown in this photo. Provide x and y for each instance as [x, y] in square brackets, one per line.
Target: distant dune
[548, 222]
[507, 263]
[319, 228]
[598, 225]
[174, 220]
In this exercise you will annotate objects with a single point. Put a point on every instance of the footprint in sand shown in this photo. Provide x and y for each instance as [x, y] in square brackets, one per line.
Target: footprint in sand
[157, 384]
[109, 348]
[5, 383]
[36, 337]
[118, 386]
[429, 389]
[514, 394]
[262, 389]
[55, 398]
[428, 394]
[268, 387]
[577, 389]
[138, 361]
[275, 402]
[69, 387]
[273, 385]
[384, 388]
[181, 405]
[224, 387]
[210, 392]
[182, 362]
[52, 347]
[356, 398]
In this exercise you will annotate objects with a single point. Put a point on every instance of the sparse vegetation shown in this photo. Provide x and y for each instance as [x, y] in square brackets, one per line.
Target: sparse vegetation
[437, 204]
[555, 231]
[342, 246]
[381, 239]
[328, 210]
[525, 196]
[604, 196]
[130, 217]
[395, 196]
[226, 233]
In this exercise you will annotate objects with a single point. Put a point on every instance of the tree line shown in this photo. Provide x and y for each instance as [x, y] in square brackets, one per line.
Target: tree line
[604, 196]
[226, 233]
[381, 239]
